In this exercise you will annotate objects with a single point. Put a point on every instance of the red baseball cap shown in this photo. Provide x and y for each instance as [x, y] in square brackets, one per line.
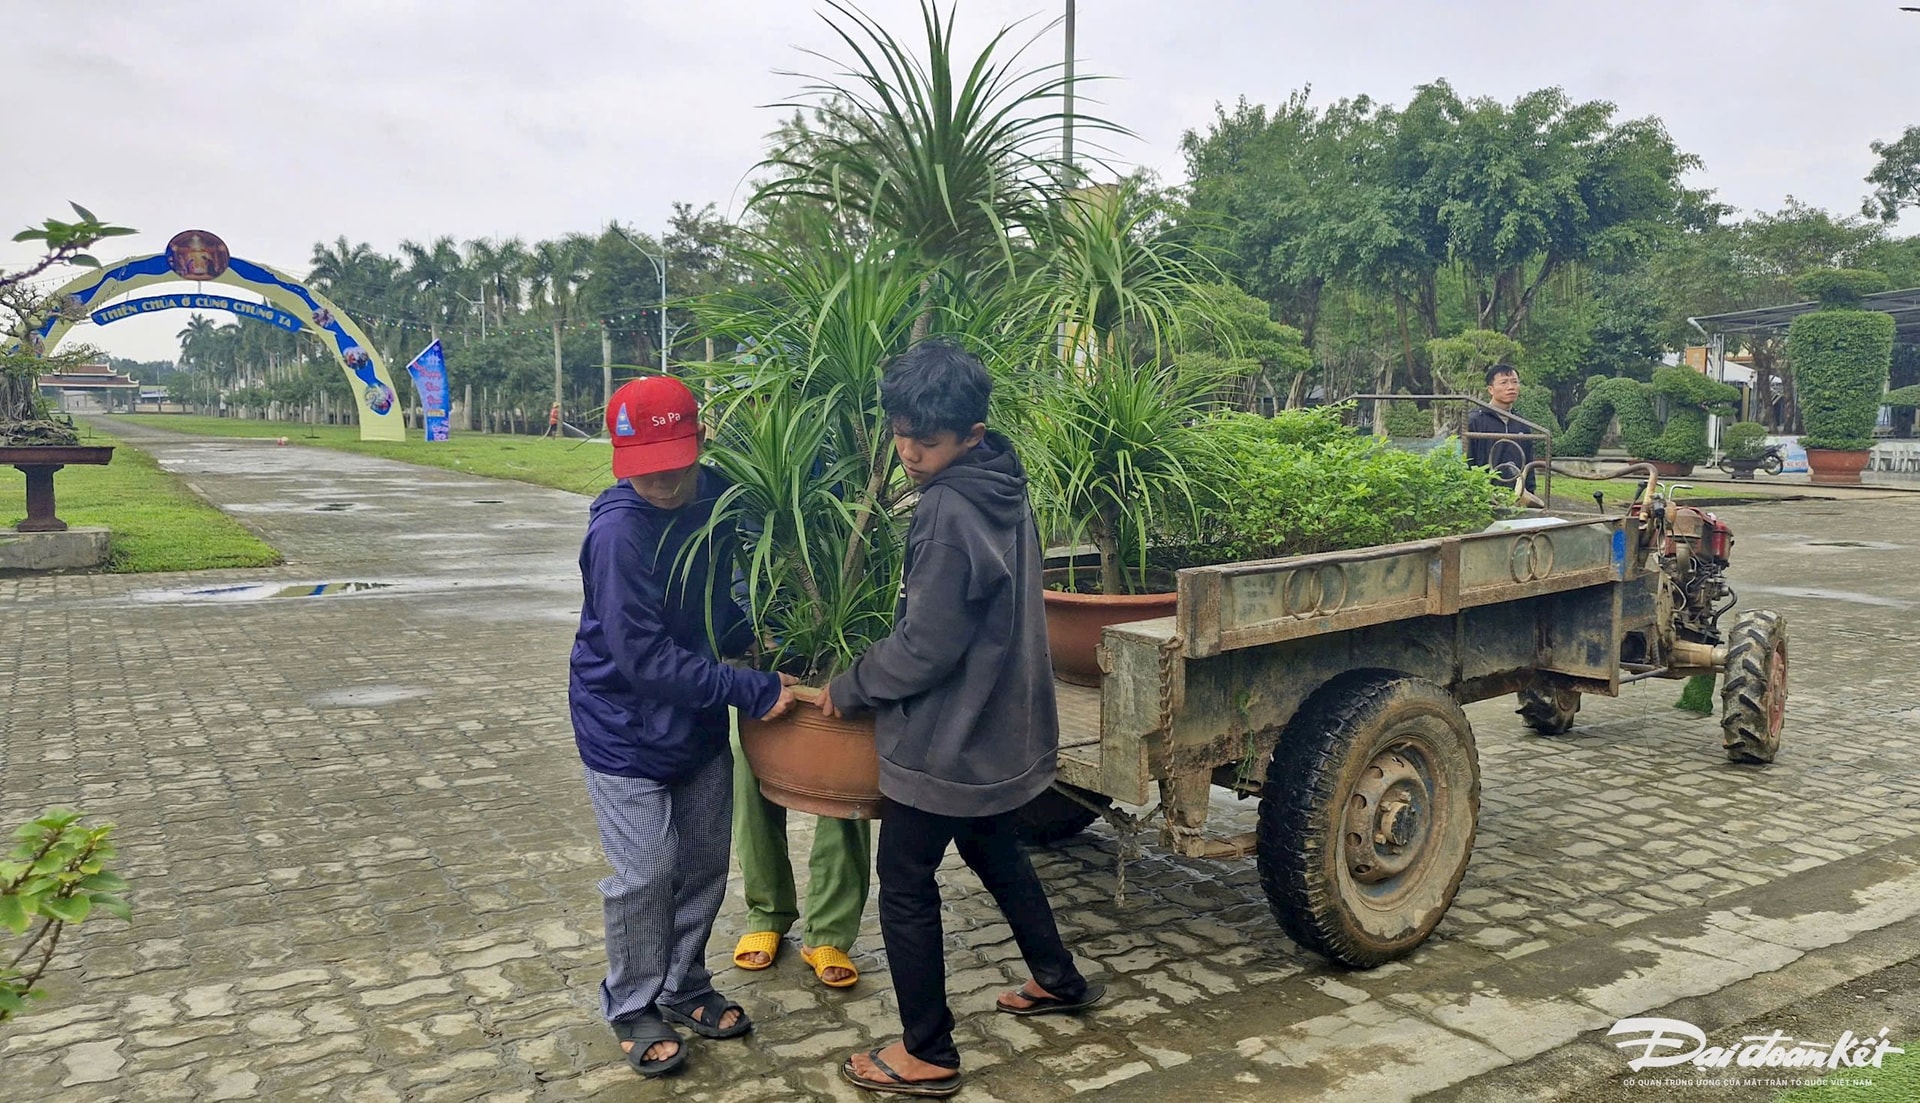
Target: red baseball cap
[655, 426]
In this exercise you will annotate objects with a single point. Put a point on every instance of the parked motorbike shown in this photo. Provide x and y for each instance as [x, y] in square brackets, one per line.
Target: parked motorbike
[1771, 459]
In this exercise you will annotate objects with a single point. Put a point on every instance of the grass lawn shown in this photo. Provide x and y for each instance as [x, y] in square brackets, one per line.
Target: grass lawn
[578, 466]
[158, 523]
[1622, 493]
[1897, 1080]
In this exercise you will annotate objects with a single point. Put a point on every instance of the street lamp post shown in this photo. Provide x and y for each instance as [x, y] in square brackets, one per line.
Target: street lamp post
[660, 269]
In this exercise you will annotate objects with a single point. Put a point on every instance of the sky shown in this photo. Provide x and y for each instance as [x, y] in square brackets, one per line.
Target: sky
[279, 125]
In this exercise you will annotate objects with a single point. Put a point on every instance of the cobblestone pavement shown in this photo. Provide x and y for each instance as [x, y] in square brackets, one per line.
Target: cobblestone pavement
[365, 865]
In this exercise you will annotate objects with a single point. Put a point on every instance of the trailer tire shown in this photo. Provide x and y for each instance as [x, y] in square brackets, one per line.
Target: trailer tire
[1753, 696]
[1053, 816]
[1549, 709]
[1380, 753]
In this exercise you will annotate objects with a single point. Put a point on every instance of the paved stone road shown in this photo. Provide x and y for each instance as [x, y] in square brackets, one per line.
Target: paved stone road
[364, 863]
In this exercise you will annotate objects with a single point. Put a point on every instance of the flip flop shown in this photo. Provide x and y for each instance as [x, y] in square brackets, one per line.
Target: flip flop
[1049, 1005]
[823, 958]
[715, 1007]
[896, 1084]
[643, 1030]
[756, 942]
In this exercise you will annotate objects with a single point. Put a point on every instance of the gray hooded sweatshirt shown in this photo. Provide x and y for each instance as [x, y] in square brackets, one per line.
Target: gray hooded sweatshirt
[963, 688]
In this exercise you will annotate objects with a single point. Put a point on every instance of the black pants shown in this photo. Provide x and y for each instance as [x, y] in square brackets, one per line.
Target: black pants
[912, 843]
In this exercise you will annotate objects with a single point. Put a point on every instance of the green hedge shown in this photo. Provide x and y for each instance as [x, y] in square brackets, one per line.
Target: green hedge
[1840, 360]
[1303, 483]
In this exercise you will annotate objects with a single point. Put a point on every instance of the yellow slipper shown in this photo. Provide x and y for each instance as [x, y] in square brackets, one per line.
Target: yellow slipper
[756, 942]
[823, 958]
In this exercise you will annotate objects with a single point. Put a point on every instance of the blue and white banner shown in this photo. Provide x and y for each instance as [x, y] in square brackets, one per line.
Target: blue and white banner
[259, 312]
[429, 372]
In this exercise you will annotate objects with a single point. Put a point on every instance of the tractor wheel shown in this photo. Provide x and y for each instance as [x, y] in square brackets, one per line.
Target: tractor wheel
[1055, 817]
[1753, 697]
[1548, 709]
[1367, 817]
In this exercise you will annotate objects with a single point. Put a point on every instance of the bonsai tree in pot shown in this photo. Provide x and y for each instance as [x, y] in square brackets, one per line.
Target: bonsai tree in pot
[1840, 356]
[23, 311]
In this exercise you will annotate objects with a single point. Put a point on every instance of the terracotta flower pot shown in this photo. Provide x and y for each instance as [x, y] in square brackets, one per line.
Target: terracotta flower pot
[1834, 467]
[1075, 620]
[815, 764]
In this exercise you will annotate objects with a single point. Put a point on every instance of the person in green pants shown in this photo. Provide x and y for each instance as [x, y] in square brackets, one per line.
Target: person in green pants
[840, 868]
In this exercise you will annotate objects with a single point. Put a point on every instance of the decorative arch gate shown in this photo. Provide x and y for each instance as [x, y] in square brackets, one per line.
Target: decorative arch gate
[202, 258]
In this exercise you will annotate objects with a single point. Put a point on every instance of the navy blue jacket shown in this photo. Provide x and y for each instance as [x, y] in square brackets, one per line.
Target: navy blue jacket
[646, 689]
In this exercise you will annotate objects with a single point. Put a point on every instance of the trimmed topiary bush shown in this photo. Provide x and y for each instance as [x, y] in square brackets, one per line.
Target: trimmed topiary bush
[1607, 399]
[1839, 287]
[1744, 440]
[1682, 439]
[1840, 360]
[1408, 419]
[1536, 405]
[1902, 398]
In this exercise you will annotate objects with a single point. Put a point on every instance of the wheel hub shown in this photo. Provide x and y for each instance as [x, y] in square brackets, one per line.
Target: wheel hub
[1387, 818]
[1777, 690]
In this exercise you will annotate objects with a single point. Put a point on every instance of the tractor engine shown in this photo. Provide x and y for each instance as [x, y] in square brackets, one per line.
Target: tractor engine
[1694, 549]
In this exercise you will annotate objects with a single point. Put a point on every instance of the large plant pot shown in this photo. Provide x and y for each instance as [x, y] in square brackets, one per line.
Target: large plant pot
[816, 764]
[1075, 621]
[1743, 469]
[1837, 468]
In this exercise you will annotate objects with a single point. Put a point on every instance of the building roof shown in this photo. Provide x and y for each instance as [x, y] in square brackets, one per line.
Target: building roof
[87, 381]
[1903, 305]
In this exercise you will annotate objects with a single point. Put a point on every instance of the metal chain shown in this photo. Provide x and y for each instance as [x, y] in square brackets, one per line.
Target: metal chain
[1170, 793]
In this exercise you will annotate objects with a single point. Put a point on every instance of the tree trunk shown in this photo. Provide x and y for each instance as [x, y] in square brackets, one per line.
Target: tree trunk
[1113, 579]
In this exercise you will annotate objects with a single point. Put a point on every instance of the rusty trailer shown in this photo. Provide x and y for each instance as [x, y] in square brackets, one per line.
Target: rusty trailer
[1330, 687]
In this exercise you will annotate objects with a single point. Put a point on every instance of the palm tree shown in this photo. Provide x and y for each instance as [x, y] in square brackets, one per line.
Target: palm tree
[432, 275]
[555, 270]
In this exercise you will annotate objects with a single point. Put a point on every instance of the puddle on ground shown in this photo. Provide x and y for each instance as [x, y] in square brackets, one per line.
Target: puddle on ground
[1825, 595]
[1877, 545]
[335, 507]
[489, 502]
[255, 591]
[364, 696]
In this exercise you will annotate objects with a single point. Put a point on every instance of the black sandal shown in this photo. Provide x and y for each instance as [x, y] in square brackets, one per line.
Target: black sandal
[896, 1084]
[644, 1031]
[1053, 1005]
[713, 1007]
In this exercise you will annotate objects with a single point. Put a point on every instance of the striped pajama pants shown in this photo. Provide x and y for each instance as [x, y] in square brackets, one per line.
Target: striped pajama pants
[667, 844]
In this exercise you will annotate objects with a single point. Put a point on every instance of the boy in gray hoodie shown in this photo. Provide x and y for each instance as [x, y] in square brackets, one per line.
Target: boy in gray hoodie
[965, 719]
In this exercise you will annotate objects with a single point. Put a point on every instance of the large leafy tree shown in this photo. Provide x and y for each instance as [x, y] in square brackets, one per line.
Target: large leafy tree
[1895, 178]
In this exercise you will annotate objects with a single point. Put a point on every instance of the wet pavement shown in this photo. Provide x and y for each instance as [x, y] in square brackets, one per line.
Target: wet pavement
[364, 861]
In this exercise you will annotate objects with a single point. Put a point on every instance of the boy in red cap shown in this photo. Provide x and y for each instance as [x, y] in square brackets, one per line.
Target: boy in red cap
[649, 699]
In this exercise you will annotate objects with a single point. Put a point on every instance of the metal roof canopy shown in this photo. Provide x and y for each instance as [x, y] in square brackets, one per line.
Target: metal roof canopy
[1904, 306]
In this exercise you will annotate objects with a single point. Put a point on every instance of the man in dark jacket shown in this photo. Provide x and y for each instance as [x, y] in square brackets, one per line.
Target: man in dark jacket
[966, 724]
[649, 698]
[1506, 458]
